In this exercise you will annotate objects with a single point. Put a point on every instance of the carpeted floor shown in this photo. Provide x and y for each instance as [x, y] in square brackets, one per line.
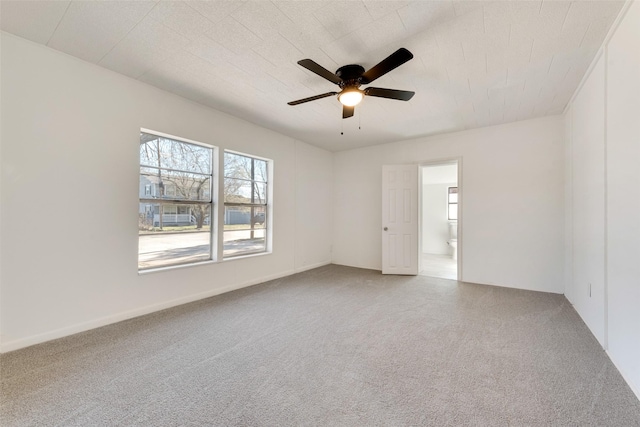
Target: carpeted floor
[334, 346]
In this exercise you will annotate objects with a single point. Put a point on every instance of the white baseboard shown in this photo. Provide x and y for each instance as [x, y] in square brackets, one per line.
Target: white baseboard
[378, 268]
[130, 314]
[635, 388]
[312, 266]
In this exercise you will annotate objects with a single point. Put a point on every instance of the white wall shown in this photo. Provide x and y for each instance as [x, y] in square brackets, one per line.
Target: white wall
[604, 205]
[435, 222]
[623, 197]
[588, 151]
[512, 192]
[568, 208]
[314, 195]
[70, 136]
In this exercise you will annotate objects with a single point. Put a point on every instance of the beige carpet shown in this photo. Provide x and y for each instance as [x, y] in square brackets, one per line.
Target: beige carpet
[335, 346]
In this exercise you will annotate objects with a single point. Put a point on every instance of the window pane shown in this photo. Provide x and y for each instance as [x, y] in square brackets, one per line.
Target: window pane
[260, 170]
[240, 217]
[244, 167]
[241, 191]
[245, 183]
[453, 194]
[157, 183]
[169, 232]
[180, 235]
[168, 153]
[241, 242]
[453, 211]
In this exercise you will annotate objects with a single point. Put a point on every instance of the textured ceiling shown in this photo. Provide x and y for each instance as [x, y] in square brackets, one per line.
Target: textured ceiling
[476, 63]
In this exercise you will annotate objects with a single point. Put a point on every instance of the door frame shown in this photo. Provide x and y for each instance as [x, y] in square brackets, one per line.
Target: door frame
[441, 162]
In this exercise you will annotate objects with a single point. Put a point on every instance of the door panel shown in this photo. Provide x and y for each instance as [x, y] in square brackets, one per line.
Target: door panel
[400, 219]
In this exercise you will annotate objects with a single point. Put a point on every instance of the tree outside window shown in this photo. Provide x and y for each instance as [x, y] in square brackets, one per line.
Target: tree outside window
[175, 199]
[245, 204]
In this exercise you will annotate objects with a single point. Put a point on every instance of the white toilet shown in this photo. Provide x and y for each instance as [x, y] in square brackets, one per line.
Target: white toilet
[453, 238]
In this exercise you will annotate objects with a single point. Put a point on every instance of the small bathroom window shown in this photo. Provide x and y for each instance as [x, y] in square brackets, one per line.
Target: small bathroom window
[452, 203]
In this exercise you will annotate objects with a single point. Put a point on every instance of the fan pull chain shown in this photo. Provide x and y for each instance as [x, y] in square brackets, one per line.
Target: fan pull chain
[342, 127]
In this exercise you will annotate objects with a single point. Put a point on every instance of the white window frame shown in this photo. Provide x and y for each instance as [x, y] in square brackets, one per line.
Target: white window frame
[208, 193]
[267, 206]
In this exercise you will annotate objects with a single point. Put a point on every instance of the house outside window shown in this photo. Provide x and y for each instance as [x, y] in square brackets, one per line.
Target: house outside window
[174, 219]
[245, 204]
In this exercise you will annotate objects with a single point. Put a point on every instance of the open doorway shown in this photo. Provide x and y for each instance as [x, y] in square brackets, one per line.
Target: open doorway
[439, 220]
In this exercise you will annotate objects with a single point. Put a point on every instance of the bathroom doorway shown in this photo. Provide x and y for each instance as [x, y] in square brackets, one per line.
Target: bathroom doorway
[439, 220]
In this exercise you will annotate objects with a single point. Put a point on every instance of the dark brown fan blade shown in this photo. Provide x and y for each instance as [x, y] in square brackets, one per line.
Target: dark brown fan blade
[319, 70]
[392, 61]
[347, 111]
[312, 98]
[402, 95]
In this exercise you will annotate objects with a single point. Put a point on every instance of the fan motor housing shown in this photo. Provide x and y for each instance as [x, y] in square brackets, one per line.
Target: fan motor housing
[350, 75]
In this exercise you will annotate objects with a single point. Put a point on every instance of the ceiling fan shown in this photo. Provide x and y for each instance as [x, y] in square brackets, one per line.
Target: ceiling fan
[351, 77]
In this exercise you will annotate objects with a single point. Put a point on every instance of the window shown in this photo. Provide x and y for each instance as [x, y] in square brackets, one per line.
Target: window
[173, 225]
[170, 190]
[245, 204]
[452, 203]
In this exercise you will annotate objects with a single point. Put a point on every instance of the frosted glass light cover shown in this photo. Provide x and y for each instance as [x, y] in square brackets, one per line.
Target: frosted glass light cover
[351, 98]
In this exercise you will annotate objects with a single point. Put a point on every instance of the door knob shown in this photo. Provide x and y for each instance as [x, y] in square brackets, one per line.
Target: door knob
[385, 229]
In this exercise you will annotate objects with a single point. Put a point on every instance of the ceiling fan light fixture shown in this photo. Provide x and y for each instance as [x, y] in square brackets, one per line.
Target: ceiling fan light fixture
[351, 97]
[350, 77]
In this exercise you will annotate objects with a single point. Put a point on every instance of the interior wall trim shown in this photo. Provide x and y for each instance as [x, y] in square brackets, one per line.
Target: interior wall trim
[625, 377]
[612, 31]
[312, 266]
[13, 345]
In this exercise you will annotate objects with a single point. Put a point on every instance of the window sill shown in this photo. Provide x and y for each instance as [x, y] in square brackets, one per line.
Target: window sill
[175, 267]
[197, 264]
[252, 255]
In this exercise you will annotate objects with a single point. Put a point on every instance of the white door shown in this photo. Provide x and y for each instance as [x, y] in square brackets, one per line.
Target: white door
[400, 219]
